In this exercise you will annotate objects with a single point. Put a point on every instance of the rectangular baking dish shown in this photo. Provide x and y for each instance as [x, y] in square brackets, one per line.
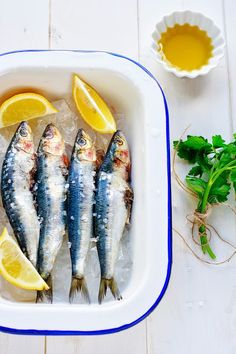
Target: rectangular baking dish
[129, 87]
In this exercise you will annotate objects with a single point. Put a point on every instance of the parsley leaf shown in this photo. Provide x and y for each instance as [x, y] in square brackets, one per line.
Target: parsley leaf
[217, 141]
[184, 152]
[197, 185]
[196, 142]
[192, 148]
[220, 190]
[196, 171]
[204, 161]
[211, 176]
[233, 179]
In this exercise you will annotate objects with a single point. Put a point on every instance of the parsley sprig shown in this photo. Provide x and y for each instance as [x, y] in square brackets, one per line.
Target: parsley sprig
[211, 177]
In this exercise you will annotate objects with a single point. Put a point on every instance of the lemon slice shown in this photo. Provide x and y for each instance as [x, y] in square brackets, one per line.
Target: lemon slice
[24, 106]
[16, 268]
[92, 107]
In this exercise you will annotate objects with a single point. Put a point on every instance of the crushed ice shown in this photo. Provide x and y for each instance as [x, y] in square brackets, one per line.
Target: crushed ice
[68, 122]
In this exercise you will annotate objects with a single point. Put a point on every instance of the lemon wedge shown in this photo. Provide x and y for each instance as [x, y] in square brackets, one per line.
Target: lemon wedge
[16, 268]
[24, 106]
[92, 107]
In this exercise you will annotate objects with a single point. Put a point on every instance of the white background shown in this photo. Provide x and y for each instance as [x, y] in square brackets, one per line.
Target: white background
[198, 312]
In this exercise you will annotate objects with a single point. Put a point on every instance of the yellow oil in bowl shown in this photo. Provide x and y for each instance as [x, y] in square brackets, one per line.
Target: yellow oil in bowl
[186, 47]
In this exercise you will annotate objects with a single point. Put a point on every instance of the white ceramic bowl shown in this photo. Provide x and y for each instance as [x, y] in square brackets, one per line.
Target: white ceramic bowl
[194, 19]
[130, 88]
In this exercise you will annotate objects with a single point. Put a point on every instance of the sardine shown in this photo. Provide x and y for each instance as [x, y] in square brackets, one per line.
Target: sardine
[16, 184]
[112, 210]
[51, 202]
[80, 209]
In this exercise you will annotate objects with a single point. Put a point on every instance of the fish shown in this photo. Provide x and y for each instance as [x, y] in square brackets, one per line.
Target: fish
[17, 180]
[114, 197]
[52, 170]
[80, 200]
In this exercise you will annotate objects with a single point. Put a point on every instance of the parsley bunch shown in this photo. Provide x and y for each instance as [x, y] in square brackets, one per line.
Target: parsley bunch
[211, 177]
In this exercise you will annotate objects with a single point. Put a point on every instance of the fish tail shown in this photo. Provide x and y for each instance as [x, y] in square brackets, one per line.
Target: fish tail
[79, 285]
[112, 285]
[45, 295]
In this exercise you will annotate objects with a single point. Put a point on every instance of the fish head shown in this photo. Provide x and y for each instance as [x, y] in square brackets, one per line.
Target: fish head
[24, 138]
[84, 147]
[52, 141]
[120, 149]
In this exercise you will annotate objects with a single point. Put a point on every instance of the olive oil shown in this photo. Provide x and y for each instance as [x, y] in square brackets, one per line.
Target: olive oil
[186, 47]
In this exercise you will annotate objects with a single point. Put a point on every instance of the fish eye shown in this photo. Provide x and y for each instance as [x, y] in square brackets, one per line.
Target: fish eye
[23, 132]
[82, 142]
[119, 141]
[49, 134]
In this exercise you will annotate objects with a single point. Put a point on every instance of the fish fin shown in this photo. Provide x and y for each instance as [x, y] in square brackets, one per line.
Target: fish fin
[79, 285]
[45, 296]
[112, 285]
[128, 197]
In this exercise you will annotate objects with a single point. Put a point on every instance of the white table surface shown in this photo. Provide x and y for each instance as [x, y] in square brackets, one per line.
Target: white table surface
[198, 312]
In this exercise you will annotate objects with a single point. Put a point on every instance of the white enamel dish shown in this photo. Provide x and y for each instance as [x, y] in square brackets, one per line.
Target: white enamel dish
[130, 87]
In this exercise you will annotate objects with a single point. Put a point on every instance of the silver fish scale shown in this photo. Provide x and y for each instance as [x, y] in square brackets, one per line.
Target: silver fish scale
[18, 200]
[112, 222]
[80, 209]
[51, 195]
